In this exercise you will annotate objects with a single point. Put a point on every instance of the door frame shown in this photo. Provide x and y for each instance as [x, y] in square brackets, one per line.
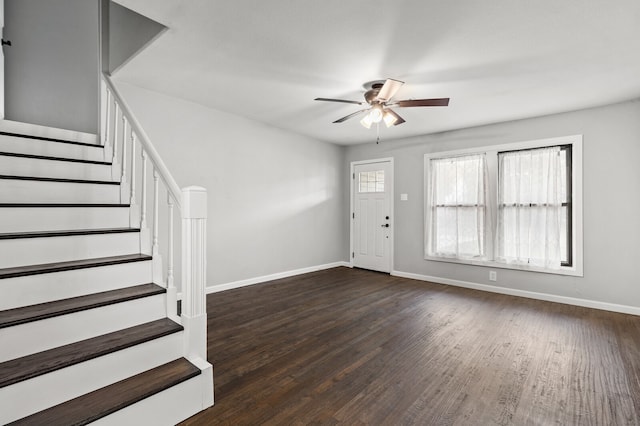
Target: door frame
[391, 207]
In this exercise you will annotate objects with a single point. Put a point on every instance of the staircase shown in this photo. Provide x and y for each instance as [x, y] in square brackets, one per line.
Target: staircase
[88, 323]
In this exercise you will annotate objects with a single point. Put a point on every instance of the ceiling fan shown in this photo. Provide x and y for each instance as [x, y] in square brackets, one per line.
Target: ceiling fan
[378, 97]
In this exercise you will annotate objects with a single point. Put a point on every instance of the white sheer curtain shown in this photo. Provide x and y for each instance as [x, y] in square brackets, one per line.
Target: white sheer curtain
[529, 207]
[456, 201]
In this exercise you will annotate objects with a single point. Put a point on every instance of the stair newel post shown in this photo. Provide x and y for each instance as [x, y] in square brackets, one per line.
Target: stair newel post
[134, 211]
[194, 271]
[155, 250]
[172, 293]
[144, 230]
[124, 187]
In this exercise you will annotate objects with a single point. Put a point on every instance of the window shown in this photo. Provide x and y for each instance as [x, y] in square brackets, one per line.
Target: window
[514, 206]
[371, 181]
[458, 209]
[533, 206]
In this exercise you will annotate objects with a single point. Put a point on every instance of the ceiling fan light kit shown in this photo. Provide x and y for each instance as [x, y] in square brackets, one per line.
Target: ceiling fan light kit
[376, 113]
[389, 119]
[378, 97]
[366, 121]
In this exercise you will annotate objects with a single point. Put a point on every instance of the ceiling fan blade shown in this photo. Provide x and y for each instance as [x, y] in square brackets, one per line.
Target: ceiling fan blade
[399, 120]
[345, 101]
[346, 117]
[389, 89]
[422, 102]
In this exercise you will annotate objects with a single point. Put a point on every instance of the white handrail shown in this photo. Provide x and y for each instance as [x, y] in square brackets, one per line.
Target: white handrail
[145, 143]
[191, 202]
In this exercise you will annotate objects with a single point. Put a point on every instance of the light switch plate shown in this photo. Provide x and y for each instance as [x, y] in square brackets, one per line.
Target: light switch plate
[404, 197]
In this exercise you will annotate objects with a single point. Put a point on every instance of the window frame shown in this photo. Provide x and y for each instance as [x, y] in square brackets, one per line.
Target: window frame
[568, 204]
[434, 208]
[574, 184]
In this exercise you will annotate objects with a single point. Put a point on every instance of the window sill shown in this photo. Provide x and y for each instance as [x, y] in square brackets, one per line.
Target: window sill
[564, 270]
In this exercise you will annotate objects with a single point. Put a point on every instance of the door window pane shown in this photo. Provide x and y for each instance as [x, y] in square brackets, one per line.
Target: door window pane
[372, 181]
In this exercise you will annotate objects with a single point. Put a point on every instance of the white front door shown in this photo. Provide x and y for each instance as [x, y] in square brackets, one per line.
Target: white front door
[372, 221]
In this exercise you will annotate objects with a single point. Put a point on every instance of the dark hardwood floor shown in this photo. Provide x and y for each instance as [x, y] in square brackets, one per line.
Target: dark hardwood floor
[353, 347]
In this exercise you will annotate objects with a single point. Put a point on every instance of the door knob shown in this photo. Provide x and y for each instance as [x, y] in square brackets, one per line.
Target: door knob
[386, 225]
[6, 42]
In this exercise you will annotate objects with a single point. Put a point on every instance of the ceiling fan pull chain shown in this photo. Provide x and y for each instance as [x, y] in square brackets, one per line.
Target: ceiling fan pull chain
[377, 133]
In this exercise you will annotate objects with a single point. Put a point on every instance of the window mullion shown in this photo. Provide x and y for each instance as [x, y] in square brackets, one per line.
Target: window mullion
[491, 216]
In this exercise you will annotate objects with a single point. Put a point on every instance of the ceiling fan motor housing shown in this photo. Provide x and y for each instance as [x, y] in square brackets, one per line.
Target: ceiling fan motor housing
[371, 94]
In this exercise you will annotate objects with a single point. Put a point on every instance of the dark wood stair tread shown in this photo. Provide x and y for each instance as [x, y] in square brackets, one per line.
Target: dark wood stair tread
[52, 158]
[23, 315]
[65, 233]
[44, 138]
[63, 180]
[46, 268]
[34, 365]
[102, 402]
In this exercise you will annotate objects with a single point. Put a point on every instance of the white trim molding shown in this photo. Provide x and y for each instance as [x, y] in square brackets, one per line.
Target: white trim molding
[491, 152]
[278, 275]
[594, 304]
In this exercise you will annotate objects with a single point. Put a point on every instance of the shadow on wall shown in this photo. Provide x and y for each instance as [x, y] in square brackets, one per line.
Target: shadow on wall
[125, 33]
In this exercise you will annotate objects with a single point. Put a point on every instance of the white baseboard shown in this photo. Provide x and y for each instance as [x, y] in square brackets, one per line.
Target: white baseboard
[625, 309]
[276, 276]
[257, 280]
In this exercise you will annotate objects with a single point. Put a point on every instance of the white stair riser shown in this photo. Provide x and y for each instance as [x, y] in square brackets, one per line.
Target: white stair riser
[33, 395]
[21, 166]
[51, 149]
[166, 408]
[25, 219]
[47, 132]
[33, 191]
[35, 251]
[37, 336]
[34, 289]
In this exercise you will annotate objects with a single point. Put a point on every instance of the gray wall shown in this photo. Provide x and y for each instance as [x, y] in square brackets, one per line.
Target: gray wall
[279, 201]
[611, 201]
[275, 198]
[51, 71]
[128, 33]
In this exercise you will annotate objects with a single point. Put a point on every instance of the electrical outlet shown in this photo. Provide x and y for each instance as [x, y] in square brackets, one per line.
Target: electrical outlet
[493, 275]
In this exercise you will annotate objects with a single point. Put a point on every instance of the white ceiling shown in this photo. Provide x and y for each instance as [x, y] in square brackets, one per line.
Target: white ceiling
[497, 60]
